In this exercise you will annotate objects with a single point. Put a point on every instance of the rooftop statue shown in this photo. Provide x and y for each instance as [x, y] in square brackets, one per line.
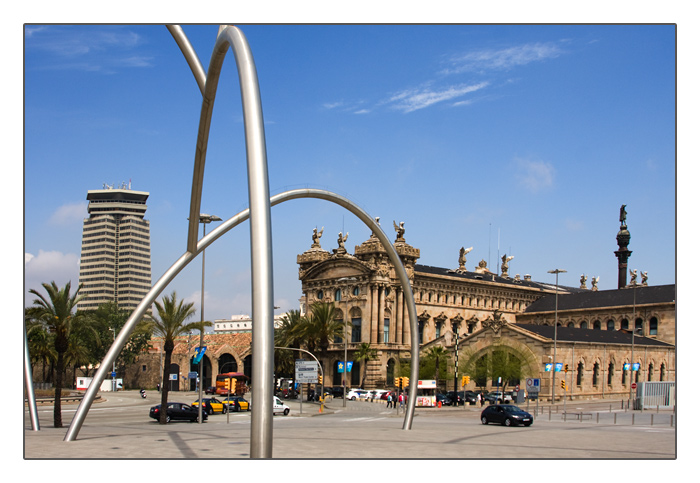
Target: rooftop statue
[316, 237]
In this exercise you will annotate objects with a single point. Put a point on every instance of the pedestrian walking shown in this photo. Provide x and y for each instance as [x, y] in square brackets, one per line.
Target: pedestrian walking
[393, 400]
[388, 400]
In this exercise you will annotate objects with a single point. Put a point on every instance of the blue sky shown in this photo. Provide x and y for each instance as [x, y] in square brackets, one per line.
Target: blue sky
[513, 139]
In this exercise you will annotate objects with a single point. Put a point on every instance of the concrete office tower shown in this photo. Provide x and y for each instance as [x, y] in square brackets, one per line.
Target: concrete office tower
[115, 259]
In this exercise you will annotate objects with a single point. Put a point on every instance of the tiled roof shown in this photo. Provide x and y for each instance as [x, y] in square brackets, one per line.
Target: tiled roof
[213, 342]
[589, 299]
[597, 336]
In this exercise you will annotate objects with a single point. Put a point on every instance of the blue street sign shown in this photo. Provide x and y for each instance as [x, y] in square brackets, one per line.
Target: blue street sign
[557, 367]
[626, 367]
[114, 374]
[340, 366]
[548, 367]
[635, 366]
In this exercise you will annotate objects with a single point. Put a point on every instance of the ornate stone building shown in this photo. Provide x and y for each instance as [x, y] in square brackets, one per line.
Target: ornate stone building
[482, 309]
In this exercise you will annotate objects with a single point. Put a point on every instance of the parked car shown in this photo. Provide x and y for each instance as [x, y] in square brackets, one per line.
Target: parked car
[378, 394]
[443, 399]
[236, 403]
[469, 397]
[498, 397]
[178, 412]
[337, 391]
[506, 414]
[278, 407]
[356, 394]
[211, 405]
[210, 390]
[457, 398]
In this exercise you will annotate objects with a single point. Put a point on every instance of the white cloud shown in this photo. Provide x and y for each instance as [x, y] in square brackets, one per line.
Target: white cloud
[413, 99]
[503, 59]
[69, 214]
[47, 267]
[534, 175]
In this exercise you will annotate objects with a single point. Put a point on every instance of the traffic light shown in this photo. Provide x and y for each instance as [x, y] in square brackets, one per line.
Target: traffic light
[405, 381]
[563, 384]
[227, 384]
[465, 380]
[320, 379]
[397, 381]
[468, 379]
[566, 367]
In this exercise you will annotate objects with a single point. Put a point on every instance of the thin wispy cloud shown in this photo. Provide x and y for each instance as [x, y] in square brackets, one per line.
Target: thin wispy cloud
[88, 49]
[413, 99]
[502, 59]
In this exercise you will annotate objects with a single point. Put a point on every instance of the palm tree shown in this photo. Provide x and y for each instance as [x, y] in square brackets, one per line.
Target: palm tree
[322, 327]
[169, 324]
[56, 314]
[41, 347]
[365, 352]
[288, 334]
[438, 354]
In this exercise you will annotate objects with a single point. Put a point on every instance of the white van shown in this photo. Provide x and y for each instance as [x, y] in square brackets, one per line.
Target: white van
[278, 407]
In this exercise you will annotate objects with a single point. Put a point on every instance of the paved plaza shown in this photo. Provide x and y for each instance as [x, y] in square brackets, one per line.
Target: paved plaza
[359, 430]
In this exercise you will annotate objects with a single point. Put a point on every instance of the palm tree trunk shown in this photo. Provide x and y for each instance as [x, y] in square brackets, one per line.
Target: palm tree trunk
[57, 421]
[166, 387]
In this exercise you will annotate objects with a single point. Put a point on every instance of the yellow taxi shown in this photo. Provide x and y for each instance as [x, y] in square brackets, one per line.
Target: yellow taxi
[212, 405]
[236, 403]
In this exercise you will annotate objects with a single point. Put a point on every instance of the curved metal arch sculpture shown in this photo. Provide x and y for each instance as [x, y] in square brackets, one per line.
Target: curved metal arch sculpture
[260, 237]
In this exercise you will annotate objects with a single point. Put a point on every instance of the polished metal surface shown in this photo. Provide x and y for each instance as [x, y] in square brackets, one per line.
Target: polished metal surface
[31, 398]
[260, 240]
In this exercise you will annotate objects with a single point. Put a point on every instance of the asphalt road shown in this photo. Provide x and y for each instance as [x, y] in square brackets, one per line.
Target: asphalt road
[119, 427]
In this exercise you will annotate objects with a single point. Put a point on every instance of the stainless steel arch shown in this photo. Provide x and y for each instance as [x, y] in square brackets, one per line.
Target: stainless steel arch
[210, 238]
[260, 237]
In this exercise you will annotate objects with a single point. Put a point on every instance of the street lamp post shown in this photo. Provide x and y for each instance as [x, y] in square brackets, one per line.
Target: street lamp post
[204, 219]
[634, 331]
[556, 271]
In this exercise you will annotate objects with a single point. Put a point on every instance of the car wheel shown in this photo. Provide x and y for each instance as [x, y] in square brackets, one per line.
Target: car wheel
[484, 420]
[225, 410]
[237, 408]
[167, 419]
[210, 411]
[352, 398]
[286, 411]
[507, 422]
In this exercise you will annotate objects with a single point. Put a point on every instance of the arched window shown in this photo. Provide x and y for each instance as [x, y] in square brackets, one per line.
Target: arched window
[338, 295]
[570, 324]
[319, 295]
[596, 371]
[579, 374]
[356, 291]
[639, 326]
[624, 324]
[650, 372]
[662, 372]
[653, 326]
[596, 325]
[584, 325]
[611, 371]
[611, 324]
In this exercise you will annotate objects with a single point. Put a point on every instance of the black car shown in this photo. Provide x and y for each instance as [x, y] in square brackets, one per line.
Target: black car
[506, 414]
[456, 398]
[470, 397]
[178, 412]
[443, 400]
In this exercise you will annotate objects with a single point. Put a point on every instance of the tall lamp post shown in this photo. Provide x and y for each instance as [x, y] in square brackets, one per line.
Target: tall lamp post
[634, 331]
[204, 219]
[556, 271]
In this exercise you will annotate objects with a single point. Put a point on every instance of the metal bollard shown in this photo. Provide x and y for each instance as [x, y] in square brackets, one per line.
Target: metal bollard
[615, 418]
[597, 418]
[632, 419]
[652, 419]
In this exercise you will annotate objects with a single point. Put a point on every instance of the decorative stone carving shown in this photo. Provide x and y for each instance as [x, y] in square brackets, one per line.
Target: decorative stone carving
[504, 266]
[583, 281]
[496, 322]
[316, 238]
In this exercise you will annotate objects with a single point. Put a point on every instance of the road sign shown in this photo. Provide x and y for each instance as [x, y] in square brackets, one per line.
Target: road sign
[114, 374]
[532, 385]
[192, 375]
[634, 385]
[306, 371]
[548, 367]
[557, 367]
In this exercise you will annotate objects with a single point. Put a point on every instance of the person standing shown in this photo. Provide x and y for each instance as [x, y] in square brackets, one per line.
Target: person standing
[388, 400]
